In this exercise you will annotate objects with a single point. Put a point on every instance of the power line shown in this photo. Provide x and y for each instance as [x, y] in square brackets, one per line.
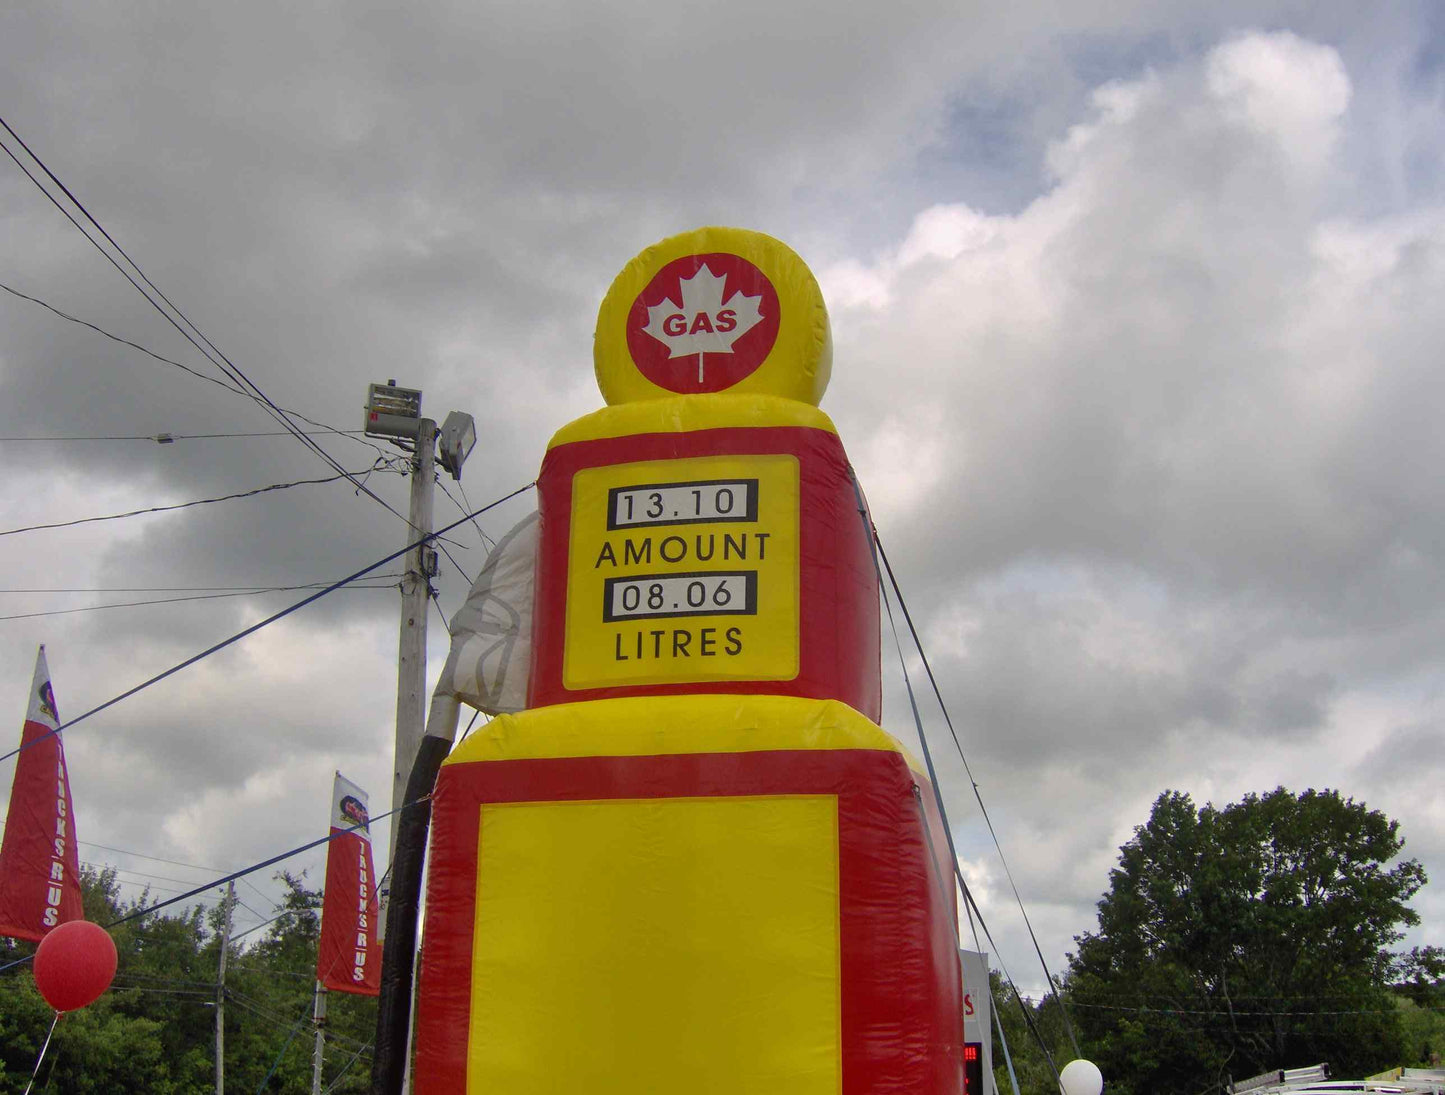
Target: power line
[875, 548]
[100, 330]
[142, 874]
[378, 466]
[142, 855]
[243, 964]
[172, 601]
[250, 910]
[440, 544]
[260, 624]
[345, 1068]
[1175, 1001]
[156, 978]
[209, 994]
[977, 794]
[146, 886]
[261, 587]
[168, 438]
[260, 1009]
[487, 541]
[234, 875]
[209, 350]
[172, 862]
[1232, 1013]
[258, 927]
[324, 427]
[335, 833]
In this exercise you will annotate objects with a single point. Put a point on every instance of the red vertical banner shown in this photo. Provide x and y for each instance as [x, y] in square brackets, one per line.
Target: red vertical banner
[39, 866]
[349, 958]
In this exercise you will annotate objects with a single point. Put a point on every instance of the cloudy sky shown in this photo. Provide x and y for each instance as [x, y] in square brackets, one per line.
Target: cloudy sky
[1137, 319]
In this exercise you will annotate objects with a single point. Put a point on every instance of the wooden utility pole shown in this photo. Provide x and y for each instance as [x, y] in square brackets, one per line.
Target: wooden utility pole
[415, 592]
[395, 412]
[318, 1016]
[226, 903]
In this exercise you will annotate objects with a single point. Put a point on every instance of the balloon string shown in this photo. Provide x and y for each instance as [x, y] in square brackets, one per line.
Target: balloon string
[41, 1058]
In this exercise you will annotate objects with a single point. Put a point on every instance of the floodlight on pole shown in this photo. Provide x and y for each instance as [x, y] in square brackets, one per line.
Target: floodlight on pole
[392, 411]
[454, 442]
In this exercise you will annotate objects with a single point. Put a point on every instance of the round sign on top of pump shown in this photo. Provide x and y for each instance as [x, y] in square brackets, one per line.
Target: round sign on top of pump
[713, 310]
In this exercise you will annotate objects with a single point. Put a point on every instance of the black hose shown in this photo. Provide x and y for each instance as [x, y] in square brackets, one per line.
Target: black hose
[393, 1012]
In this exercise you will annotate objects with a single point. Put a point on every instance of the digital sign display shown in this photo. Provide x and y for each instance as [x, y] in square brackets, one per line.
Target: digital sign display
[973, 1068]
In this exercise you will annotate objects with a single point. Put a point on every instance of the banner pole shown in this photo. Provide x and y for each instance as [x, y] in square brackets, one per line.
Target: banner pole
[226, 904]
[318, 1017]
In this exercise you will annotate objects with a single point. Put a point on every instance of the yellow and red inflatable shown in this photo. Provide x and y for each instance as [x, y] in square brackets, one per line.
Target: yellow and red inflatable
[695, 863]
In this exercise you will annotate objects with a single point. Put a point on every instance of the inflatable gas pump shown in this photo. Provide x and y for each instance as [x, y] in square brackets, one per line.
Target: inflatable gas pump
[694, 863]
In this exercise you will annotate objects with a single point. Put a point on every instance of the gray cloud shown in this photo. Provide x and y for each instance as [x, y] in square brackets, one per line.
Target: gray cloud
[1135, 315]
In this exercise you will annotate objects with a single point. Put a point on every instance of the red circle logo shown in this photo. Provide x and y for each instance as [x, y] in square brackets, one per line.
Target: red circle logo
[703, 323]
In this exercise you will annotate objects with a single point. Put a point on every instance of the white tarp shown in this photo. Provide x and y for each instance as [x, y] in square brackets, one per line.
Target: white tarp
[487, 665]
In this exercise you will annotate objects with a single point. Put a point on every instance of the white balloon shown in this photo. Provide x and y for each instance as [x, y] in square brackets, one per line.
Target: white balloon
[1081, 1077]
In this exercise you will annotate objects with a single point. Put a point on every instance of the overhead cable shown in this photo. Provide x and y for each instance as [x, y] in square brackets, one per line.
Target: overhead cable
[174, 316]
[116, 338]
[179, 600]
[978, 796]
[256, 587]
[170, 438]
[258, 927]
[295, 1030]
[875, 548]
[344, 1068]
[234, 389]
[970, 905]
[335, 834]
[193, 659]
[176, 862]
[487, 541]
[378, 466]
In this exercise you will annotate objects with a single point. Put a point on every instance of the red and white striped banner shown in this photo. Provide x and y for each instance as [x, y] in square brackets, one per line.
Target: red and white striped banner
[39, 866]
[349, 958]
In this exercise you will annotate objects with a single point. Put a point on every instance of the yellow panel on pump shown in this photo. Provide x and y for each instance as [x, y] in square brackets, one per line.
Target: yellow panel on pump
[657, 945]
[683, 570]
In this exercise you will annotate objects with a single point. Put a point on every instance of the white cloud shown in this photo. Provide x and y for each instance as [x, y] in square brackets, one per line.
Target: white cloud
[1166, 429]
[1151, 447]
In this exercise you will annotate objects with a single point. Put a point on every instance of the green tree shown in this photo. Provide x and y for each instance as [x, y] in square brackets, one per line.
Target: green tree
[270, 990]
[154, 1030]
[114, 1045]
[1241, 939]
[1044, 1024]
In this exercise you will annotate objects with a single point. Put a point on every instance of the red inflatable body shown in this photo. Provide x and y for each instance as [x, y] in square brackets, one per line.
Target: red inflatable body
[695, 863]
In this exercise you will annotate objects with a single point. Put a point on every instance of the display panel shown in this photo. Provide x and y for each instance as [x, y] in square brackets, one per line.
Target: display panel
[683, 571]
[973, 1068]
[683, 503]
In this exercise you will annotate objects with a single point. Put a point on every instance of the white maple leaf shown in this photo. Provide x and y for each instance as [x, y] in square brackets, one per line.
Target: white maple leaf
[703, 323]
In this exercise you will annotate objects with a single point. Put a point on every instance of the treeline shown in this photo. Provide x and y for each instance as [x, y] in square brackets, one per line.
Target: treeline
[1239, 939]
[154, 1031]
[1231, 941]
[1408, 1029]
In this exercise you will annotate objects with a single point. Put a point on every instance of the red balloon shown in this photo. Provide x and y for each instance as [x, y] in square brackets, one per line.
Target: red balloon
[74, 964]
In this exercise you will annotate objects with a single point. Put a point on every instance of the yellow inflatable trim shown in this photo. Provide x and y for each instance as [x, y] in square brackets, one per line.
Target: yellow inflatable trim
[688, 413]
[635, 726]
